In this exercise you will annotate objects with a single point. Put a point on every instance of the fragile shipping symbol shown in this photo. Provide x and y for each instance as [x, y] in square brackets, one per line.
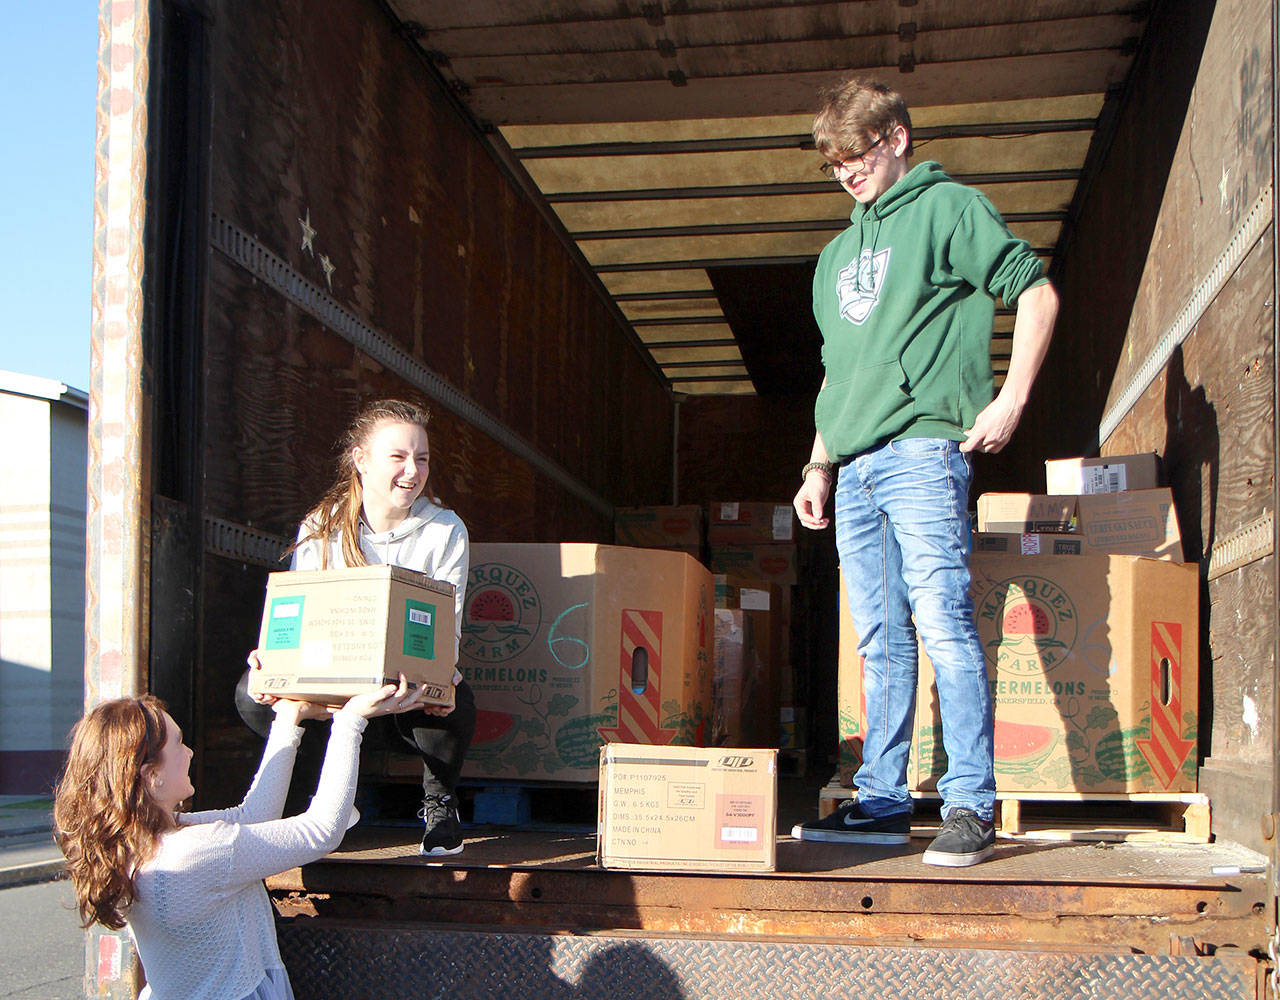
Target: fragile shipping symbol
[639, 681]
[1165, 750]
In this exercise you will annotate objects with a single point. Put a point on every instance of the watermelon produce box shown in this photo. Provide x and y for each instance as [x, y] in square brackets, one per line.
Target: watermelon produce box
[329, 634]
[685, 809]
[672, 527]
[1093, 667]
[1092, 662]
[569, 646]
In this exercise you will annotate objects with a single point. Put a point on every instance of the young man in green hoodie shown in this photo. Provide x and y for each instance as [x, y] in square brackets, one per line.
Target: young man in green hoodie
[905, 301]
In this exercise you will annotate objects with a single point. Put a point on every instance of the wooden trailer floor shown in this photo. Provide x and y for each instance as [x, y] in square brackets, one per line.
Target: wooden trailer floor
[1149, 898]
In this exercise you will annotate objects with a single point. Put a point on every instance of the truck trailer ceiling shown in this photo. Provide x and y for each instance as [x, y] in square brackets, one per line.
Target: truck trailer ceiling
[671, 139]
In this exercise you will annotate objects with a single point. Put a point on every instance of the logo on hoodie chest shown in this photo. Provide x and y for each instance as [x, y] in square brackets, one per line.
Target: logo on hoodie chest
[858, 285]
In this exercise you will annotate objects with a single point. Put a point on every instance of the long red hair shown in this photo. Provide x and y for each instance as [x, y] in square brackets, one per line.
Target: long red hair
[105, 821]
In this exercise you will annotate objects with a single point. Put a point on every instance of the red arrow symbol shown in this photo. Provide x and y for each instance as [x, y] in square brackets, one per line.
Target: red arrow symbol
[639, 681]
[1165, 749]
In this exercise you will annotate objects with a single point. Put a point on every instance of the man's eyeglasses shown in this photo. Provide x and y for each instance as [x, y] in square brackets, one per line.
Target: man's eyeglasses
[854, 162]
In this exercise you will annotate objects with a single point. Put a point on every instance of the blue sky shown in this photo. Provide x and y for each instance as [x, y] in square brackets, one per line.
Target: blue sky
[48, 76]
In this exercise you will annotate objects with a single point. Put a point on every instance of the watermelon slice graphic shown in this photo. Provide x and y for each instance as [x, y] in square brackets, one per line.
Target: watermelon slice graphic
[494, 732]
[492, 606]
[1025, 618]
[1021, 747]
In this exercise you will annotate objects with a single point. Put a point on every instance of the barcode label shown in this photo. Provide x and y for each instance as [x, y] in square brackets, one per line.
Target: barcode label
[739, 834]
[419, 617]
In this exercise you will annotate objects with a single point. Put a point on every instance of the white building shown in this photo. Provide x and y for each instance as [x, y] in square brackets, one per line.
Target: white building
[43, 496]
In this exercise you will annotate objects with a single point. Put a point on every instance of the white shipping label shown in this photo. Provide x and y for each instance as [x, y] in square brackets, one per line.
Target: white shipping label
[286, 609]
[739, 834]
[1104, 479]
[1030, 545]
[782, 523]
[728, 512]
[317, 654]
[753, 599]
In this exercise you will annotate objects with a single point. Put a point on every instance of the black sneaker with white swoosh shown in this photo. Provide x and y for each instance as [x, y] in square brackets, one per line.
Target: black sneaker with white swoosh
[849, 825]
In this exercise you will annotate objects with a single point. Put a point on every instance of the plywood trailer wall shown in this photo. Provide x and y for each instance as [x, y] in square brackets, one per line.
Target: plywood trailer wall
[1180, 202]
[351, 204]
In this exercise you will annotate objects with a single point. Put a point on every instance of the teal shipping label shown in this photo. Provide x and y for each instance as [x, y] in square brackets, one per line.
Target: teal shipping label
[284, 623]
[419, 630]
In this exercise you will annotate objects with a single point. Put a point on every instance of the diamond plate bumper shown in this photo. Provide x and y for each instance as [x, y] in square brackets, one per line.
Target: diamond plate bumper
[331, 959]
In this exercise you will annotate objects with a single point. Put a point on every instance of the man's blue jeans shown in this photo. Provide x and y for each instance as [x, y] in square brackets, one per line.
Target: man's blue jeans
[902, 532]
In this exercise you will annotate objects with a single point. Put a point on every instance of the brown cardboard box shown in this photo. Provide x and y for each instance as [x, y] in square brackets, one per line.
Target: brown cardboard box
[671, 527]
[1136, 523]
[1018, 513]
[1029, 544]
[1093, 666]
[684, 809]
[1079, 650]
[1110, 474]
[744, 685]
[571, 645]
[329, 634]
[774, 563]
[750, 523]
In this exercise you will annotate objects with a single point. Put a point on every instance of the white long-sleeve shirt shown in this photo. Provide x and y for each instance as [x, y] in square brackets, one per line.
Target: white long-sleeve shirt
[201, 920]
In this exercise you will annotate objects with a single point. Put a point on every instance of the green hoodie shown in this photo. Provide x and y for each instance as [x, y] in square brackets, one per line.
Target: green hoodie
[905, 301]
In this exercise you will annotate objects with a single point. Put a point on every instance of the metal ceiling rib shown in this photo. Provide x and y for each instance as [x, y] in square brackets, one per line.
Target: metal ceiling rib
[672, 136]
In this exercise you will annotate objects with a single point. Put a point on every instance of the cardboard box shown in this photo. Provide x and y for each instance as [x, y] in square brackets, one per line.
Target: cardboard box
[568, 646]
[1093, 663]
[774, 563]
[671, 527]
[750, 523]
[1021, 513]
[744, 684]
[684, 809]
[1136, 523]
[1111, 474]
[1029, 544]
[329, 634]
[792, 730]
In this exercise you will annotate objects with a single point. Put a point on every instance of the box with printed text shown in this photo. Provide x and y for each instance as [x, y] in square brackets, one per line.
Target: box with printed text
[329, 634]
[569, 646]
[688, 809]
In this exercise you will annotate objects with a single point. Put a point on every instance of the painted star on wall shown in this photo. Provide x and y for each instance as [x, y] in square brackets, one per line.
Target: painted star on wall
[308, 234]
[327, 264]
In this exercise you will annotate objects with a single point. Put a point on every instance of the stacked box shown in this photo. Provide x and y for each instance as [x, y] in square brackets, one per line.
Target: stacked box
[569, 646]
[770, 564]
[744, 687]
[669, 527]
[1113, 474]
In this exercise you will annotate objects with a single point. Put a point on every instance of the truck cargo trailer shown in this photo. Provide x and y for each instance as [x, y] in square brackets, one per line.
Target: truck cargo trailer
[585, 234]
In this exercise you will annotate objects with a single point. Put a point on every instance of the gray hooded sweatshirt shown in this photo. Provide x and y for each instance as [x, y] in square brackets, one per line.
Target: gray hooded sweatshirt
[431, 540]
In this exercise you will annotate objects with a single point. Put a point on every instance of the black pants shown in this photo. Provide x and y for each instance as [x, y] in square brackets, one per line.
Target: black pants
[441, 741]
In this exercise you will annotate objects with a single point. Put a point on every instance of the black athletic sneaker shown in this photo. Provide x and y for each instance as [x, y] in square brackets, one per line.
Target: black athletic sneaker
[964, 840]
[848, 825]
[444, 833]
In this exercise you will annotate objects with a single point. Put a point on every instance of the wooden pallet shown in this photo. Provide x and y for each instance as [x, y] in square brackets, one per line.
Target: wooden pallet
[1136, 817]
